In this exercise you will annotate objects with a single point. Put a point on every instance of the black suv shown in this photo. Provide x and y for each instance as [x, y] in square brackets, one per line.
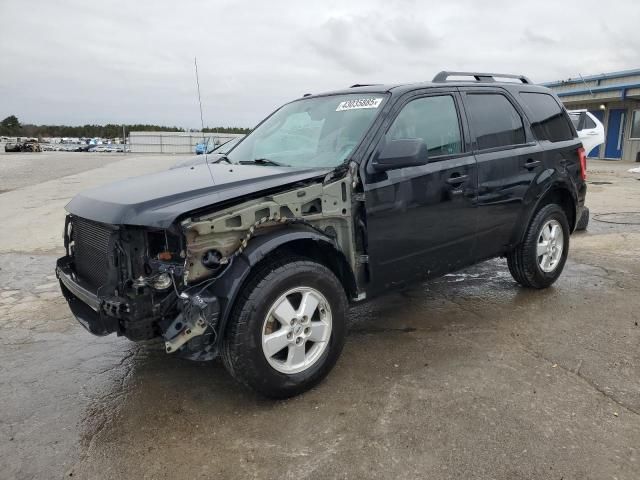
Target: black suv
[333, 198]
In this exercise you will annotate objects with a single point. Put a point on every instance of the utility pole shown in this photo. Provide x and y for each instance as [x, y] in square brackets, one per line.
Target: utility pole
[124, 140]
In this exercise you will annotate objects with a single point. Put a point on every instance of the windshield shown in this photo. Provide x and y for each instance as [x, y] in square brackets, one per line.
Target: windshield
[313, 132]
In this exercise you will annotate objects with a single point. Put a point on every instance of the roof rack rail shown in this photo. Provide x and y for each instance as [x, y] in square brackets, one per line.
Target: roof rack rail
[479, 77]
[355, 85]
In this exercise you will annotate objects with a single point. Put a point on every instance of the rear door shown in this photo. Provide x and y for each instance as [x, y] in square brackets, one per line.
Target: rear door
[508, 161]
[595, 133]
[590, 130]
[421, 219]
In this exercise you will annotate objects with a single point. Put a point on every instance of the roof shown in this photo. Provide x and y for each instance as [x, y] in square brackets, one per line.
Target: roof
[164, 133]
[605, 85]
[599, 76]
[621, 87]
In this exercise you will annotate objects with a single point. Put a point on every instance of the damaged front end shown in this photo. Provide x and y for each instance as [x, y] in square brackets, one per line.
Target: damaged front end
[179, 283]
[127, 280]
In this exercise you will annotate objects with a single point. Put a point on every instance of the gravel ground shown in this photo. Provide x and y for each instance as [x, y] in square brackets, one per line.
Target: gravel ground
[22, 169]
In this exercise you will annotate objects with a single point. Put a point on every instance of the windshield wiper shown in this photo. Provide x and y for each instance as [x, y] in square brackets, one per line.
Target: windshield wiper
[263, 161]
[223, 158]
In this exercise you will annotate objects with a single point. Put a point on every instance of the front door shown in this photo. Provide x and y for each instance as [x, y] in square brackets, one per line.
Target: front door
[421, 219]
[615, 134]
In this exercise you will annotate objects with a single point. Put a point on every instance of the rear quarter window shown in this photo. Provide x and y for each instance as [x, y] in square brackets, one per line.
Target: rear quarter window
[548, 119]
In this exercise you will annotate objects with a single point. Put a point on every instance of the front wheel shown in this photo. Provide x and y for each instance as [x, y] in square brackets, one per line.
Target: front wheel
[287, 329]
[538, 261]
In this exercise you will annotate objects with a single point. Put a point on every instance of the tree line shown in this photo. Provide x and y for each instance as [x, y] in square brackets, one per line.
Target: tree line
[12, 127]
[227, 130]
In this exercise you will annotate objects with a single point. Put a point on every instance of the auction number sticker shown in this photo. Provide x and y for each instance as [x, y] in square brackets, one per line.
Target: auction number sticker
[359, 103]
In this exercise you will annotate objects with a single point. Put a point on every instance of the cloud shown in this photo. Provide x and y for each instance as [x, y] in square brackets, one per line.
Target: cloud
[538, 38]
[358, 43]
[116, 61]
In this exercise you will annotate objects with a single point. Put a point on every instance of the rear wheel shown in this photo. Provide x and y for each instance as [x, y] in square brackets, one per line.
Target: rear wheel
[583, 222]
[287, 328]
[539, 260]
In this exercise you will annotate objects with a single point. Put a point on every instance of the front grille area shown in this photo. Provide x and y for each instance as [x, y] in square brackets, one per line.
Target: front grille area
[91, 251]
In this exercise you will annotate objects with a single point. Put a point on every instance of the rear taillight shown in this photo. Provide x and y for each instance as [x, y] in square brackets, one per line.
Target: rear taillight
[583, 163]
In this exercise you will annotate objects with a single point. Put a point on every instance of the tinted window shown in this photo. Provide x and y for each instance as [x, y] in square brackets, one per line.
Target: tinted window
[432, 119]
[588, 122]
[548, 120]
[494, 120]
[635, 124]
[575, 119]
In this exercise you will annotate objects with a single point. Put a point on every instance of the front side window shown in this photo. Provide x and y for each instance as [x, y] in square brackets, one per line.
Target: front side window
[312, 132]
[434, 120]
[635, 124]
[494, 120]
[548, 120]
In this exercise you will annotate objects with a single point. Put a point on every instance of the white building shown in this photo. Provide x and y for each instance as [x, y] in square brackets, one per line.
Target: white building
[172, 142]
[615, 99]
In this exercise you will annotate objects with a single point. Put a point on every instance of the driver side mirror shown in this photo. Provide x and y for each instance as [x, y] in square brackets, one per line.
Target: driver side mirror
[404, 152]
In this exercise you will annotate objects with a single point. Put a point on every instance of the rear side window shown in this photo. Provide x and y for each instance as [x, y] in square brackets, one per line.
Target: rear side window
[434, 120]
[575, 119]
[588, 122]
[548, 120]
[494, 120]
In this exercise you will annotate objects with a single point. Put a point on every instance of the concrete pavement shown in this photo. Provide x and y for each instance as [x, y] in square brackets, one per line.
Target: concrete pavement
[469, 376]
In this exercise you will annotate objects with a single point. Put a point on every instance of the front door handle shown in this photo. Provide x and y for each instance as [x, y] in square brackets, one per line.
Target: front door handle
[457, 179]
[530, 164]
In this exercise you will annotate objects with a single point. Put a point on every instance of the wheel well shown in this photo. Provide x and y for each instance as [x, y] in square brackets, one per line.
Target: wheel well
[232, 283]
[324, 254]
[562, 197]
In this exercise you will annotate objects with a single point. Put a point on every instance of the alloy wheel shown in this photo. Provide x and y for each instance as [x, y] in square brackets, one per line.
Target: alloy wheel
[296, 330]
[550, 246]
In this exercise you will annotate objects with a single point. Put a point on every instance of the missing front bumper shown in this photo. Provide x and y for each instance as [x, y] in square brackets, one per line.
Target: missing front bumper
[84, 304]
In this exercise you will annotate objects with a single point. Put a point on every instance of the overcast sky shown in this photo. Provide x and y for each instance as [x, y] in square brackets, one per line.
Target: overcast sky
[80, 61]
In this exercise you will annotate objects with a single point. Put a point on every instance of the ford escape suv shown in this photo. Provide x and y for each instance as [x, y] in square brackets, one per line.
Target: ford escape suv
[334, 198]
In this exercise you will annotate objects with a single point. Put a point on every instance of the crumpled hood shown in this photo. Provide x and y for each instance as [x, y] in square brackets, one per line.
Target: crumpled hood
[157, 199]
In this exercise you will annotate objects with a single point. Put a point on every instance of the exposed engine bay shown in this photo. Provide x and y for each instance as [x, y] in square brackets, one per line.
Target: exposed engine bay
[145, 283]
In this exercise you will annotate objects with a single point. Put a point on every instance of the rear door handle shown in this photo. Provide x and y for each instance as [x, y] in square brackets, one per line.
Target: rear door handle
[457, 179]
[530, 164]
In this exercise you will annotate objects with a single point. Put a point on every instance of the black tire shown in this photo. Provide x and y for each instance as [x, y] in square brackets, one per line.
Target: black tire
[242, 352]
[523, 261]
[583, 222]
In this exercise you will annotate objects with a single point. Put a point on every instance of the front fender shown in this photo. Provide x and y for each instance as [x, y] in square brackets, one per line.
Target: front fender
[228, 286]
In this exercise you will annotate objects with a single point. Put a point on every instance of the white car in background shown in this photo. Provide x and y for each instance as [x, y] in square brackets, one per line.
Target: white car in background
[590, 129]
[591, 132]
